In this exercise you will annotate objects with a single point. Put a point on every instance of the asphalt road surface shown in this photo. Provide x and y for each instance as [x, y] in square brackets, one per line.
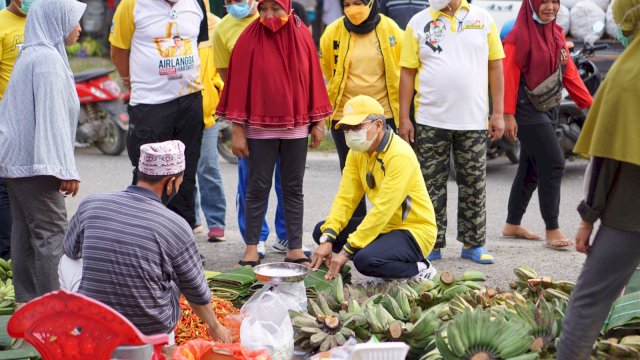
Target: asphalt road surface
[101, 173]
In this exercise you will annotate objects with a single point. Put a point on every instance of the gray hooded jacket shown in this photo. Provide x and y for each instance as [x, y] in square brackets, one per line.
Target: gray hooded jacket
[39, 110]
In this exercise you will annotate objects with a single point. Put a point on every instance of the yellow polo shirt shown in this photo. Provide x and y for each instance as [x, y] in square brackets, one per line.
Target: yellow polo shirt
[452, 57]
[400, 199]
[11, 39]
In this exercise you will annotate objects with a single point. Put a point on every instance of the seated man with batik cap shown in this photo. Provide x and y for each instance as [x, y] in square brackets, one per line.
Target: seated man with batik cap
[137, 255]
[399, 230]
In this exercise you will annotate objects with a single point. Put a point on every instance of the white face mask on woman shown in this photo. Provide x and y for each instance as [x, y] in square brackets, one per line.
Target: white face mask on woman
[357, 140]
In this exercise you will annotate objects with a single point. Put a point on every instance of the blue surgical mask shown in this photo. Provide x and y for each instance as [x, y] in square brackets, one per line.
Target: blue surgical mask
[624, 40]
[25, 5]
[239, 10]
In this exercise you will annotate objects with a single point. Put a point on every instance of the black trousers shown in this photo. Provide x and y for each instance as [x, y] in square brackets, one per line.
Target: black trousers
[343, 150]
[541, 166]
[179, 119]
[262, 161]
[394, 255]
[5, 222]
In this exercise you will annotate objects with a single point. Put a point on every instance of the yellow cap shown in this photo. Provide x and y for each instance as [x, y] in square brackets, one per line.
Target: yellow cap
[358, 108]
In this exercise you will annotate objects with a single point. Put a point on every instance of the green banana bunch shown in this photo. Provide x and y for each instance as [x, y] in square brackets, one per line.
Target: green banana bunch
[475, 333]
[525, 273]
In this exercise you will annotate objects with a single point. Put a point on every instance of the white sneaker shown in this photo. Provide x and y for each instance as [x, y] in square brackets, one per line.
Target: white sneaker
[280, 246]
[262, 251]
[198, 230]
[428, 273]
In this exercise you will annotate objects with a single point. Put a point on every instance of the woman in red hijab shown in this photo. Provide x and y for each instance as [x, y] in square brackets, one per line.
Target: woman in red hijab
[276, 97]
[535, 51]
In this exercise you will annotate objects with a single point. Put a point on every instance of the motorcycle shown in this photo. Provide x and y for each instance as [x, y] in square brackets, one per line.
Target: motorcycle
[225, 134]
[570, 118]
[103, 119]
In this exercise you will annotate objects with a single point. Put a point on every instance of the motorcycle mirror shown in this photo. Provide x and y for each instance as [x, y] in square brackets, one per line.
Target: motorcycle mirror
[598, 27]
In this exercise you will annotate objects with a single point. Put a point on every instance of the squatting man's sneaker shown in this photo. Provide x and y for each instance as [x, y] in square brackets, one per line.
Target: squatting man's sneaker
[280, 246]
[426, 271]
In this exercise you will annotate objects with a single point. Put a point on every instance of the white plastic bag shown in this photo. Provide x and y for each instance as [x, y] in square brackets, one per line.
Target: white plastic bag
[267, 325]
[611, 26]
[563, 19]
[583, 16]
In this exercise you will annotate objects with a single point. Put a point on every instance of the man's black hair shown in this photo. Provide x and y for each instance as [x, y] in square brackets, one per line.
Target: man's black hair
[155, 179]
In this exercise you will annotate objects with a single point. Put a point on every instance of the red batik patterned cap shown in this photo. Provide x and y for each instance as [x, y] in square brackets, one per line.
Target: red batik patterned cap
[165, 158]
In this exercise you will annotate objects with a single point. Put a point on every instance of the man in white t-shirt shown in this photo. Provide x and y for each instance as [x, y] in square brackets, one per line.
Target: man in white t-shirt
[454, 50]
[154, 46]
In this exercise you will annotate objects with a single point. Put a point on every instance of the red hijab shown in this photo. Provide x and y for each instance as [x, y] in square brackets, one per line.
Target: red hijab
[537, 46]
[274, 79]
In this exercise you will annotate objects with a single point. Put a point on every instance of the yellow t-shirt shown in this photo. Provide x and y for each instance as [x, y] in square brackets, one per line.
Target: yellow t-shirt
[11, 39]
[366, 74]
[225, 38]
[209, 76]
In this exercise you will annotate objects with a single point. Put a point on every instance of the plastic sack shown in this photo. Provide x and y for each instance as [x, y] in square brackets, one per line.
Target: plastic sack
[266, 324]
[563, 19]
[583, 16]
[602, 4]
[610, 24]
[207, 350]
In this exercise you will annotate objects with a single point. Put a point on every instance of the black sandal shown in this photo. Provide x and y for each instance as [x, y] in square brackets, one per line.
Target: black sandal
[249, 263]
[298, 261]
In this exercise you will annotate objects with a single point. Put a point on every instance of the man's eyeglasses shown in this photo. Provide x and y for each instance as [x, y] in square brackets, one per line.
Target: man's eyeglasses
[347, 128]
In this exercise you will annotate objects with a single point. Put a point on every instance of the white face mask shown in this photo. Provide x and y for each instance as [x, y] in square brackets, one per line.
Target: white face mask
[438, 5]
[357, 140]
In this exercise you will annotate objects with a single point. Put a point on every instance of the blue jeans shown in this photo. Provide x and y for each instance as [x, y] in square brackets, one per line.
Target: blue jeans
[5, 221]
[243, 180]
[210, 182]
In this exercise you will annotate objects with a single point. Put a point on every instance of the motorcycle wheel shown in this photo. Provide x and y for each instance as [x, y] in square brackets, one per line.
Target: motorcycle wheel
[224, 142]
[115, 142]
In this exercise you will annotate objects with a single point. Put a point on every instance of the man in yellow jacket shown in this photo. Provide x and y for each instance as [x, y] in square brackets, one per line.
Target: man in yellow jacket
[394, 238]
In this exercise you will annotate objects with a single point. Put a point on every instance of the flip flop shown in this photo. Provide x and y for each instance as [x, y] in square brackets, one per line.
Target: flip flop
[526, 236]
[298, 261]
[553, 244]
[249, 263]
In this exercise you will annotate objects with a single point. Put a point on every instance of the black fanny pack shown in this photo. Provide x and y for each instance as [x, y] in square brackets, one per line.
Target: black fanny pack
[548, 94]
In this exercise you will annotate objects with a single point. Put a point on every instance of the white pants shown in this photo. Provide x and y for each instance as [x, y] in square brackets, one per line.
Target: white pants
[70, 274]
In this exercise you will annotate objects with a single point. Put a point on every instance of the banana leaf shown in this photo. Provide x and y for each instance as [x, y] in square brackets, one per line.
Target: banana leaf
[624, 312]
[238, 278]
[316, 283]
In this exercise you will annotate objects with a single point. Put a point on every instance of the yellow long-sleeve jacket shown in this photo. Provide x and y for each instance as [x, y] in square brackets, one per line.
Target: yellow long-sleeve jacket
[400, 199]
[335, 58]
[211, 81]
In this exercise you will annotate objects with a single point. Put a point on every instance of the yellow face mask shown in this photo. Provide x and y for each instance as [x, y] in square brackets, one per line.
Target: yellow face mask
[357, 14]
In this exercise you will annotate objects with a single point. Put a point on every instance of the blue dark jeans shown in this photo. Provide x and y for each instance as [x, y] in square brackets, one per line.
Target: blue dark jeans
[5, 221]
[243, 184]
[211, 198]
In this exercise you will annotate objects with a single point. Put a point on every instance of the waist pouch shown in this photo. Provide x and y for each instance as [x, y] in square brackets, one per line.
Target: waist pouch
[548, 94]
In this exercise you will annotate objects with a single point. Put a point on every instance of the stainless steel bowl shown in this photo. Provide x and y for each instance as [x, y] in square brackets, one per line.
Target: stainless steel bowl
[280, 272]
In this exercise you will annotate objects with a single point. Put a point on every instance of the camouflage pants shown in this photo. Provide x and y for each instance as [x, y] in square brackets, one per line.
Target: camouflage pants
[433, 147]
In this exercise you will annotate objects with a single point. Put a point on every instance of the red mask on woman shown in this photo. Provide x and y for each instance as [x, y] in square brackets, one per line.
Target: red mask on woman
[274, 23]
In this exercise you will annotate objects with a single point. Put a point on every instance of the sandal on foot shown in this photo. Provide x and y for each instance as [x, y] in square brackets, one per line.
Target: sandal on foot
[528, 235]
[298, 261]
[249, 263]
[559, 244]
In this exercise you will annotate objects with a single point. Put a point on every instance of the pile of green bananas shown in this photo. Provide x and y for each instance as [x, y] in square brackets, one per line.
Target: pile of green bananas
[6, 269]
[7, 297]
[627, 348]
[446, 287]
[475, 334]
[532, 286]
[544, 320]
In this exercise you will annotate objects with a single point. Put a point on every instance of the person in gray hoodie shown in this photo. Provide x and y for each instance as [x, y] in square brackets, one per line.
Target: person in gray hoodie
[38, 119]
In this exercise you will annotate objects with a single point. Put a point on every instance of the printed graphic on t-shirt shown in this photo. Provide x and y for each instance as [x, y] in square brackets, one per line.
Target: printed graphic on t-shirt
[434, 32]
[176, 53]
[16, 43]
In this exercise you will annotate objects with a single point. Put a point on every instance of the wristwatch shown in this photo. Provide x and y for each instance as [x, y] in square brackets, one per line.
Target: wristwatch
[325, 239]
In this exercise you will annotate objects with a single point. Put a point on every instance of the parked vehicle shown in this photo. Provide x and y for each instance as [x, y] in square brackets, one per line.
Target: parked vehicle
[103, 119]
[570, 118]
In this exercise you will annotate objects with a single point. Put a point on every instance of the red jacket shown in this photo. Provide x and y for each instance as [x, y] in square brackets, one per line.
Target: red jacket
[571, 81]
